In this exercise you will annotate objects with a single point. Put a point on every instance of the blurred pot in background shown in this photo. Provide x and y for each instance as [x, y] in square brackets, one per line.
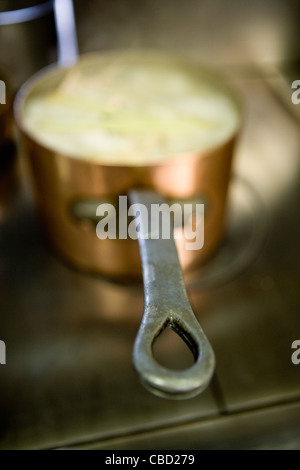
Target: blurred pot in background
[28, 43]
[27, 37]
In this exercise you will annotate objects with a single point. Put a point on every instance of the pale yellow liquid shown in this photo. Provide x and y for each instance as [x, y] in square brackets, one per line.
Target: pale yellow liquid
[127, 110]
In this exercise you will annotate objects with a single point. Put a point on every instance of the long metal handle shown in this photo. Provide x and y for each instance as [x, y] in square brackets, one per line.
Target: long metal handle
[166, 304]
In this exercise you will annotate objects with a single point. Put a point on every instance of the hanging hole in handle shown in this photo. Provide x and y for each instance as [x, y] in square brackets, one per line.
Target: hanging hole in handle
[173, 350]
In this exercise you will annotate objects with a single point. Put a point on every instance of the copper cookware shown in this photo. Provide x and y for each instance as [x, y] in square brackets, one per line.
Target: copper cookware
[64, 187]
[68, 190]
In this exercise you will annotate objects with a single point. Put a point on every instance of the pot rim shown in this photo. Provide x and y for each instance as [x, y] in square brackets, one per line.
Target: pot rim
[55, 69]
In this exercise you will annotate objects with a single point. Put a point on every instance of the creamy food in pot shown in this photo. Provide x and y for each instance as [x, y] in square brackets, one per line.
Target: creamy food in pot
[127, 109]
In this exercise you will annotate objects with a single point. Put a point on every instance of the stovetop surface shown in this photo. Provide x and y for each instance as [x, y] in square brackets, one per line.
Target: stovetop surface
[69, 380]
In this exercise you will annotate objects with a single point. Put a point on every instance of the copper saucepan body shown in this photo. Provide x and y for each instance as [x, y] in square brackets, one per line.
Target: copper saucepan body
[69, 189]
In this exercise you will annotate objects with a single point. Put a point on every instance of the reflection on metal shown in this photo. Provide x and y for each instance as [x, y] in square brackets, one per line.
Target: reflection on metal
[246, 234]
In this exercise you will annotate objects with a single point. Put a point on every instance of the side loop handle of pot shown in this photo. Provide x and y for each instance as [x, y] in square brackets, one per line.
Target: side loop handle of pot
[166, 305]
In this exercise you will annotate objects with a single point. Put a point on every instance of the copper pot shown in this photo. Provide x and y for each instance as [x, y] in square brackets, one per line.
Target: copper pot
[66, 188]
[63, 183]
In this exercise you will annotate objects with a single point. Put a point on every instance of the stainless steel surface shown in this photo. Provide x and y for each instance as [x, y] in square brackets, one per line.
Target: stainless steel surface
[69, 341]
[69, 380]
[216, 32]
[166, 305]
[267, 428]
